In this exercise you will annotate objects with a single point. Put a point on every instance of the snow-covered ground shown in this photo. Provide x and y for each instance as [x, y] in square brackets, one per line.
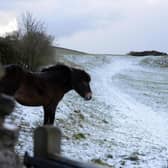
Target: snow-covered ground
[126, 122]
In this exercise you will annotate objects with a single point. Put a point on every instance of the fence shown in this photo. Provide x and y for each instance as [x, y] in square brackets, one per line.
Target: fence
[47, 151]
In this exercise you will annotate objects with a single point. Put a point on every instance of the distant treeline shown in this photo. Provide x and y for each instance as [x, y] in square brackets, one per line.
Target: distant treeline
[30, 46]
[145, 53]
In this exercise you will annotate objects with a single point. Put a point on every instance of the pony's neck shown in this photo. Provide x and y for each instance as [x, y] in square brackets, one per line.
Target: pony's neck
[67, 87]
[59, 80]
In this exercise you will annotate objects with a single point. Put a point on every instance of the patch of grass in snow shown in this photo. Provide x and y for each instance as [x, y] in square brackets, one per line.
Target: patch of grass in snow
[101, 163]
[133, 157]
[79, 136]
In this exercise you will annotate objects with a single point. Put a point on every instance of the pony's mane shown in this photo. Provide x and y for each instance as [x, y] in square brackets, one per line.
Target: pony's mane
[54, 68]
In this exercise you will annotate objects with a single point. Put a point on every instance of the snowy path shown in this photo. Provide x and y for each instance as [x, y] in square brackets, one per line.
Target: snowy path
[142, 119]
[125, 125]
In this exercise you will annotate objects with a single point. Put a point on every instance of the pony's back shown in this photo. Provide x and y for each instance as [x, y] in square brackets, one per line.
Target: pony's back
[56, 67]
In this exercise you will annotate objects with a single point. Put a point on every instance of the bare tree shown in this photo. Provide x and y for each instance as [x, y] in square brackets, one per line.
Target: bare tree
[36, 44]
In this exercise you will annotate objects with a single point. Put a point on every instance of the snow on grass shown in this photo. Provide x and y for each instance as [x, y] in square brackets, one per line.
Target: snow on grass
[124, 125]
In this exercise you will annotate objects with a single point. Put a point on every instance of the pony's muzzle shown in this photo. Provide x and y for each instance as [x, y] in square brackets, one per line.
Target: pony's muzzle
[88, 96]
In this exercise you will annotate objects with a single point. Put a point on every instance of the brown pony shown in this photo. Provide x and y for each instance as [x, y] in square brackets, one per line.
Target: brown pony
[45, 88]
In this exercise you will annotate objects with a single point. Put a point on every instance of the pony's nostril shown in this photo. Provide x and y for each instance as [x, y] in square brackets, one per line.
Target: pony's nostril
[88, 96]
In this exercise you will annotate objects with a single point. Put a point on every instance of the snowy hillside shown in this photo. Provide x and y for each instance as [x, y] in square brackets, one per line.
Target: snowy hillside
[124, 125]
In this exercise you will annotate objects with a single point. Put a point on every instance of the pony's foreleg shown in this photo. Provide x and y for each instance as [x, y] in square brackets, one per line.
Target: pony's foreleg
[49, 114]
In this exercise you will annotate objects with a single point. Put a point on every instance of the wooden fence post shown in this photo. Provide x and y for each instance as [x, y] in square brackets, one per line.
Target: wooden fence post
[47, 142]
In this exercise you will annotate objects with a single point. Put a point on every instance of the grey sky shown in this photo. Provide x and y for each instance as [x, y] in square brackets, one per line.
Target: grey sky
[103, 26]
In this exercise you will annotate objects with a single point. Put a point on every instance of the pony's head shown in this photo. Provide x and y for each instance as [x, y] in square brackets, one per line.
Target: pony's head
[81, 83]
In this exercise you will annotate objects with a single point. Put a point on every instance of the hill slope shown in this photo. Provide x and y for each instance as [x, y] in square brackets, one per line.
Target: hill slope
[64, 51]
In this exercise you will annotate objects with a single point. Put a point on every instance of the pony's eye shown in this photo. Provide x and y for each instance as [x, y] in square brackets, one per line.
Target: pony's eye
[88, 80]
[85, 83]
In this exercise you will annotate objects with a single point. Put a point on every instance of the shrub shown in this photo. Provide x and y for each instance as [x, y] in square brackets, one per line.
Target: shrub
[30, 46]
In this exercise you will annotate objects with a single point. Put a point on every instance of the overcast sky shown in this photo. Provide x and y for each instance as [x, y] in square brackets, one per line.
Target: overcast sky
[98, 26]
